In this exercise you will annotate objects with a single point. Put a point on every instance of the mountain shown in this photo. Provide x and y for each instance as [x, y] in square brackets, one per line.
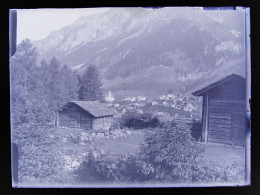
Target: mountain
[145, 52]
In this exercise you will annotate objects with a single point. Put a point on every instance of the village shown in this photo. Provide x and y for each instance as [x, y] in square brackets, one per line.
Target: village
[166, 107]
[220, 111]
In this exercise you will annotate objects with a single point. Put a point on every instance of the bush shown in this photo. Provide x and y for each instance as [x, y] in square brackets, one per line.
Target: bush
[93, 170]
[196, 130]
[135, 120]
[173, 153]
[38, 159]
[116, 169]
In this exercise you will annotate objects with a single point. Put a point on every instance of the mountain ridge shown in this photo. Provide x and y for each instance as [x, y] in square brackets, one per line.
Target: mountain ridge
[137, 47]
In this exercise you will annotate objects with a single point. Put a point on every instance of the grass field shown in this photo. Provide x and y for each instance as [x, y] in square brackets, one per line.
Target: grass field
[224, 154]
[218, 157]
[226, 159]
[113, 143]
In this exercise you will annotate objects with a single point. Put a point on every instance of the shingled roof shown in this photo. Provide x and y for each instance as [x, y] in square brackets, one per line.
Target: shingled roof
[206, 86]
[95, 108]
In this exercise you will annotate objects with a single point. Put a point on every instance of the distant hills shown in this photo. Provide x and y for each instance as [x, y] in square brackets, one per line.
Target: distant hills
[147, 52]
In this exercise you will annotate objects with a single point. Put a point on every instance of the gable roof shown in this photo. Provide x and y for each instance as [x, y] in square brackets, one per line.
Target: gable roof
[206, 86]
[95, 108]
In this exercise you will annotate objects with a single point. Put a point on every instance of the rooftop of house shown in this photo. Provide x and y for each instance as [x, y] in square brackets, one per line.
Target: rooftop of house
[214, 83]
[95, 108]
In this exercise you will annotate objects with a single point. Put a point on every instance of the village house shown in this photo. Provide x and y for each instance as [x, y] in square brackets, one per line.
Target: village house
[167, 97]
[224, 110]
[162, 97]
[154, 102]
[183, 115]
[88, 115]
[116, 105]
[132, 99]
[170, 97]
[139, 104]
[189, 107]
[140, 98]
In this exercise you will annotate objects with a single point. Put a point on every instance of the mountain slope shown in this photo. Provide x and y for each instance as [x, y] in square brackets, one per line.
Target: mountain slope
[141, 51]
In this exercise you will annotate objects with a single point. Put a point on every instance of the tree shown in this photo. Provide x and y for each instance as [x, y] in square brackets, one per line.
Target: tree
[23, 82]
[38, 91]
[59, 85]
[71, 84]
[90, 85]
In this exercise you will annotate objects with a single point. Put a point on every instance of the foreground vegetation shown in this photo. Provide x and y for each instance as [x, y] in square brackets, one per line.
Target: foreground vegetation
[168, 154]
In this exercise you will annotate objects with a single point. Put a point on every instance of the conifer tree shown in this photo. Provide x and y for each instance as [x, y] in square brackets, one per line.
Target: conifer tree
[38, 91]
[90, 85]
[23, 82]
[60, 85]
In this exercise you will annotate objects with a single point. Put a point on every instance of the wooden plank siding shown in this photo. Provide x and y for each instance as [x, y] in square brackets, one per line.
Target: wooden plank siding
[227, 113]
[102, 123]
[224, 110]
[75, 117]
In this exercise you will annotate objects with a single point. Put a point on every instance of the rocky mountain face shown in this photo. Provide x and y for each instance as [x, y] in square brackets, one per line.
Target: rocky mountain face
[146, 52]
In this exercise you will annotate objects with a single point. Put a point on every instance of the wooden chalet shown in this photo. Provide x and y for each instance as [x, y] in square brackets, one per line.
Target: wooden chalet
[224, 110]
[89, 115]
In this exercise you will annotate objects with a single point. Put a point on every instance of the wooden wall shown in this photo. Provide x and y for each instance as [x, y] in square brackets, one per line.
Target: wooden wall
[225, 113]
[73, 116]
[102, 123]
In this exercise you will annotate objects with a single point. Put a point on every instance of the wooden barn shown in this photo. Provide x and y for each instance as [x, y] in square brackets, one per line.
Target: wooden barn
[224, 110]
[89, 115]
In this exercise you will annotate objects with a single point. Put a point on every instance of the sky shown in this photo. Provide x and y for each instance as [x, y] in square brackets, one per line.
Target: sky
[37, 24]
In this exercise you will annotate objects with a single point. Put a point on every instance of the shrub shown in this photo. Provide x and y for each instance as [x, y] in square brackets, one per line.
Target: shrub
[116, 169]
[38, 159]
[135, 170]
[135, 120]
[93, 170]
[196, 129]
[173, 153]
